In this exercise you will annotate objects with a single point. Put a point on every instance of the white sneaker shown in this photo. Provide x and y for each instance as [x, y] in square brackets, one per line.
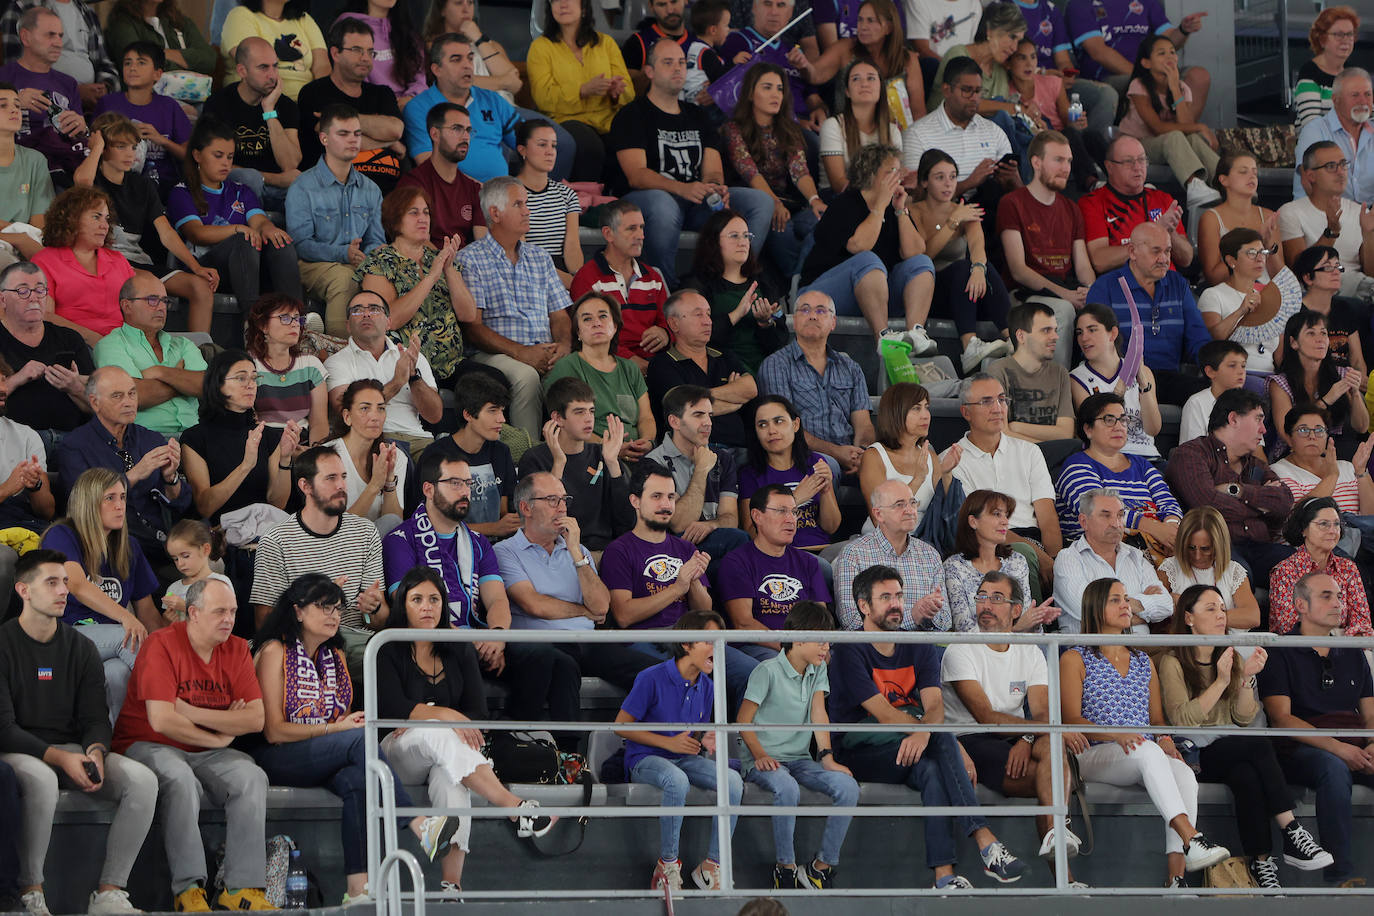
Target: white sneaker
[363, 899]
[1203, 853]
[1201, 194]
[979, 350]
[921, 344]
[1071, 844]
[115, 901]
[35, 904]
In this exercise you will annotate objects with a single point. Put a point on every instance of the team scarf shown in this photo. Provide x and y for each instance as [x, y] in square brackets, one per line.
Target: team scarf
[316, 690]
[441, 555]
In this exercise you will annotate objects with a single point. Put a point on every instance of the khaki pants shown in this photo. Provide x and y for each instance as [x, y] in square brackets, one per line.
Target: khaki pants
[1185, 154]
[334, 284]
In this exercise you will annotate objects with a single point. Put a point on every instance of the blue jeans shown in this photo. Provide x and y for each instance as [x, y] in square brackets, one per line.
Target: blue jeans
[738, 666]
[116, 659]
[940, 778]
[783, 783]
[674, 777]
[338, 762]
[666, 215]
[1327, 775]
[839, 281]
[788, 248]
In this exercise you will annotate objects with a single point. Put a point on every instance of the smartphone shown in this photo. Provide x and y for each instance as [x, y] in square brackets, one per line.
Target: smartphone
[1009, 159]
[64, 358]
[92, 771]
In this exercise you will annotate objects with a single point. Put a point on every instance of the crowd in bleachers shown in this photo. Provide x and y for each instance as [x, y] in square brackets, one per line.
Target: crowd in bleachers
[434, 407]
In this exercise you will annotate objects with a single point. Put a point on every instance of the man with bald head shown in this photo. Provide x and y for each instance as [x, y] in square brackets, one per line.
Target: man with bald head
[1347, 125]
[158, 493]
[267, 149]
[167, 370]
[1113, 211]
[1170, 319]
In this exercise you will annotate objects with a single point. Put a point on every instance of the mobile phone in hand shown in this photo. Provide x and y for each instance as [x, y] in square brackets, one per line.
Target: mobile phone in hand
[92, 771]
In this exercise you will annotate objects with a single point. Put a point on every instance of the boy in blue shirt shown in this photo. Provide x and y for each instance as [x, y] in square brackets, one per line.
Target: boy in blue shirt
[676, 691]
[790, 688]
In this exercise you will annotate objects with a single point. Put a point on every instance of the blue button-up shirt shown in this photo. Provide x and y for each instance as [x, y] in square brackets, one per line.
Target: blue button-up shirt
[324, 215]
[515, 300]
[551, 574]
[1359, 182]
[92, 446]
[1170, 319]
[826, 403]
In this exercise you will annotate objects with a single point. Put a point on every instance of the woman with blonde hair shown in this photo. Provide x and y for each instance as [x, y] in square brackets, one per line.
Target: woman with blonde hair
[1202, 556]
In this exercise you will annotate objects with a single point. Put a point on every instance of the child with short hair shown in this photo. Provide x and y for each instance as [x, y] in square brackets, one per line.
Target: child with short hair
[482, 404]
[160, 119]
[191, 544]
[710, 21]
[790, 689]
[677, 691]
[1223, 362]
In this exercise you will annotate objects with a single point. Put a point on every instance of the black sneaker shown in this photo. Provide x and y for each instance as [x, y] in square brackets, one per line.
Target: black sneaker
[820, 879]
[785, 878]
[1301, 851]
[1266, 873]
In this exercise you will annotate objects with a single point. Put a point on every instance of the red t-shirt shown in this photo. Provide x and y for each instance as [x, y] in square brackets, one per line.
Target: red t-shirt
[455, 207]
[1109, 215]
[168, 669]
[1048, 233]
[90, 301]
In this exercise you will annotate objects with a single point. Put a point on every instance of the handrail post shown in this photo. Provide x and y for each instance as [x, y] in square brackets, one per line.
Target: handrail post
[1057, 798]
[727, 859]
[389, 892]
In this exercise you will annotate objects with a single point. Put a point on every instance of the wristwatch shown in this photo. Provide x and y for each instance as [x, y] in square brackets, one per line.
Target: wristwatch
[1327, 233]
[585, 561]
[824, 753]
[1233, 489]
[1029, 739]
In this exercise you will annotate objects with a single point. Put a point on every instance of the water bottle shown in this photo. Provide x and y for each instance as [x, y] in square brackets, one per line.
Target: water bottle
[1075, 110]
[297, 885]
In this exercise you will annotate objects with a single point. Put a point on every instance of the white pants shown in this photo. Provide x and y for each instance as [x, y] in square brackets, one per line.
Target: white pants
[1170, 782]
[442, 760]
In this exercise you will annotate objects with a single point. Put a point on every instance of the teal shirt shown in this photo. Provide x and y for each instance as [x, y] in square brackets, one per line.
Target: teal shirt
[784, 698]
[128, 348]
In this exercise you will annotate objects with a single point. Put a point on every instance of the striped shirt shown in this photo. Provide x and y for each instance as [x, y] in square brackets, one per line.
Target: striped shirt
[967, 146]
[1312, 94]
[549, 211]
[285, 396]
[1142, 489]
[514, 300]
[1300, 482]
[290, 550]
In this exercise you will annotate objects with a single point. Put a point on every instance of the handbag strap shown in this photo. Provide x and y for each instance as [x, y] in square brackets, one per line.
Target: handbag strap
[1084, 810]
[585, 778]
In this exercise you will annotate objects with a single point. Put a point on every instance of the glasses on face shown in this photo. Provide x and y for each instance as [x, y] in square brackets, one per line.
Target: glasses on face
[1311, 432]
[365, 52]
[994, 600]
[329, 610]
[969, 92]
[462, 483]
[553, 502]
[28, 292]
[1139, 161]
[738, 236]
[1341, 35]
[988, 403]
[290, 319]
[1194, 548]
[901, 505]
[1331, 267]
[1339, 165]
[783, 511]
[151, 301]
[242, 378]
[1328, 524]
[1112, 419]
[1259, 252]
[366, 310]
[458, 130]
[820, 311]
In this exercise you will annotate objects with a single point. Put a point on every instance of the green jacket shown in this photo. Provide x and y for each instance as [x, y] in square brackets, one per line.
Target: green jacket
[123, 29]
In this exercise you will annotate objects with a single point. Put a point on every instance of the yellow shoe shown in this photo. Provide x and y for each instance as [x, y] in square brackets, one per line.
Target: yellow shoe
[248, 898]
[192, 900]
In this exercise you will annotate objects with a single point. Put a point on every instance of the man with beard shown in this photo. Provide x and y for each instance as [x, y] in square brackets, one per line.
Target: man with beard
[267, 150]
[323, 538]
[493, 118]
[537, 676]
[666, 22]
[455, 208]
[1347, 125]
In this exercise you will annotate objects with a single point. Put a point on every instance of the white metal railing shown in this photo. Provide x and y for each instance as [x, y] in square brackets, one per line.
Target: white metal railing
[383, 849]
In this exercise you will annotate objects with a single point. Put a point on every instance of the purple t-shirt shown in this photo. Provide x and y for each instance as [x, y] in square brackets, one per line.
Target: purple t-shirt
[232, 205]
[36, 131]
[774, 584]
[844, 15]
[748, 40]
[809, 530]
[643, 569]
[1122, 24]
[123, 591]
[164, 114]
[1045, 27]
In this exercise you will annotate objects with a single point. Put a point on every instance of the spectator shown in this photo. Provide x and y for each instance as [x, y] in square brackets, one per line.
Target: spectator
[491, 66]
[193, 693]
[296, 391]
[482, 404]
[594, 478]
[334, 216]
[1161, 114]
[711, 22]
[893, 545]
[285, 25]
[1247, 307]
[1328, 215]
[1313, 529]
[1308, 373]
[1312, 469]
[781, 761]
[522, 325]
[83, 270]
[162, 23]
[981, 549]
[1332, 39]
[690, 361]
[578, 79]
[25, 185]
[980, 149]
[1223, 363]
[1322, 687]
[355, 61]
[930, 762]
[1237, 175]
[1100, 553]
[452, 197]
[1098, 692]
[1048, 109]
[1000, 30]
[306, 691]
[169, 371]
[380, 478]
[553, 582]
[427, 296]
[494, 119]
[161, 122]
[1319, 270]
[878, 35]
[1108, 35]
[449, 761]
[81, 42]
[1215, 686]
[1346, 124]
[1203, 557]
[231, 458]
[666, 22]
[764, 580]
[637, 287]
[149, 462]
[617, 382]
[1045, 27]
[779, 454]
[676, 690]
[765, 18]
[26, 498]
[668, 164]
[1176, 329]
[1038, 387]
[864, 119]
[57, 724]
[935, 26]
[192, 546]
[47, 390]
[224, 223]
[1152, 513]
[409, 389]
[1112, 212]
[554, 206]
[400, 51]
[746, 301]
[265, 122]
[1226, 469]
[903, 450]
[1098, 336]
[52, 123]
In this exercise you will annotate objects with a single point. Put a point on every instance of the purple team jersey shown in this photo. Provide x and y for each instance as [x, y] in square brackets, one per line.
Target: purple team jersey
[773, 584]
[809, 530]
[166, 116]
[1045, 27]
[232, 205]
[1122, 24]
[36, 131]
[643, 569]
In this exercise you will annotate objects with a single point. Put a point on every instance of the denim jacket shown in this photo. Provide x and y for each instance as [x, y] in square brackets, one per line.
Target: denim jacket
[324, 215]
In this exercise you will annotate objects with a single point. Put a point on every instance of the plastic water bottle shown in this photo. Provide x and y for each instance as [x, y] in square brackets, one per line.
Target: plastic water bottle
[297, 885]
[1075, 110]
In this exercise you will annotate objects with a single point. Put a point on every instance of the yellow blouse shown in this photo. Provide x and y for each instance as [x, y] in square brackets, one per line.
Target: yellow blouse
[556, 78]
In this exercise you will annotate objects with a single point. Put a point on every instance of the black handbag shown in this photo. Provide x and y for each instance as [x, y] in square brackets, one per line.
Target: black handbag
[524, 758]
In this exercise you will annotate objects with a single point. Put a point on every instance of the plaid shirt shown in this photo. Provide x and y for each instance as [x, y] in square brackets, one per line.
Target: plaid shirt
[105, 70]
[922, 573]
[515, 300]
[1198, 466]
[826, 402]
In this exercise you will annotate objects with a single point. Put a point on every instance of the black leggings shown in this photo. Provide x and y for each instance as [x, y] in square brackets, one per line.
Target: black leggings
[951, 301]
[589, 161]
[246, 270]
[1249, 767]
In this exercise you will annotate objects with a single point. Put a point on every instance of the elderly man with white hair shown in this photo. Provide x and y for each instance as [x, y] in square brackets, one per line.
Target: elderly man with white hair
[523, 326]
[1347, 125]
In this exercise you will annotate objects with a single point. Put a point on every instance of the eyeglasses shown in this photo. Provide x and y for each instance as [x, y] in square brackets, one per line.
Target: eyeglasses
[288, 319]
[1311, 432]
[553, 502]
[1112, 419]
[329, 610]
[367, 310]
[365, 52]
[28, 292]
[123, 455]
[1340, 165]
[988, 403]
[151, 301]
[1328, 672]
[1327, 524]
[243, 378]
[1134, 160]
[463, 483]
[994, 600]
[1341, 36]
[820, 311]
[969, 92]
[1259, 252]
[901, 505]
[783, 511]
[457, 130]
[1193, 548]
[1154, 319]
[738, 236]
[1331, 267]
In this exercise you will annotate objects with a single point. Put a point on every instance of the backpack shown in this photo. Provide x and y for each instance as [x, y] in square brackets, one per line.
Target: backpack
[1232, 872]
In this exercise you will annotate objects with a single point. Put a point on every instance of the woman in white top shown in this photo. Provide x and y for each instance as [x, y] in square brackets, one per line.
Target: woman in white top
[865, 119]
[1312, 469]
[377, 471]
[1247, 308]
[1098, 336]
[1204, 558]
[903, 451]
[1238, 179]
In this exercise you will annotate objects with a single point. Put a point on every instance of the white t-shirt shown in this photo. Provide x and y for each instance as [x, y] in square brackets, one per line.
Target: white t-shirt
[1006, 678]
[1301, 219]
[944, 23]
[1197, 410]
[1300, 482]
[832, 142]
[357, 480]
[1222, 300]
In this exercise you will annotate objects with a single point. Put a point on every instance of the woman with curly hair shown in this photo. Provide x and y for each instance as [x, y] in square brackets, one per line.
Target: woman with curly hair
[291, 384]
[288, 27]
[399, 64]
[84, 272]
[1332, 40]
[164, 24]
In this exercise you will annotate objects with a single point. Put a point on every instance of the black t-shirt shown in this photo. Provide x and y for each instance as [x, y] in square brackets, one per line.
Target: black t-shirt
[669, 368]
[674, 145]
[137, 205]
[493, 472]
[36, 403]
[1341, 322]
[252, 144]
[600, 502]
[220, 442]
[381, 165]
[836, 228]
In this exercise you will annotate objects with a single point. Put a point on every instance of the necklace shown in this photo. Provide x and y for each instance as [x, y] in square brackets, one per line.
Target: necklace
[280, 373]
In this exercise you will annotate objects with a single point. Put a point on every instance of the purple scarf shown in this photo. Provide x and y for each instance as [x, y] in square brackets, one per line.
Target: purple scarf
[315, 690]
